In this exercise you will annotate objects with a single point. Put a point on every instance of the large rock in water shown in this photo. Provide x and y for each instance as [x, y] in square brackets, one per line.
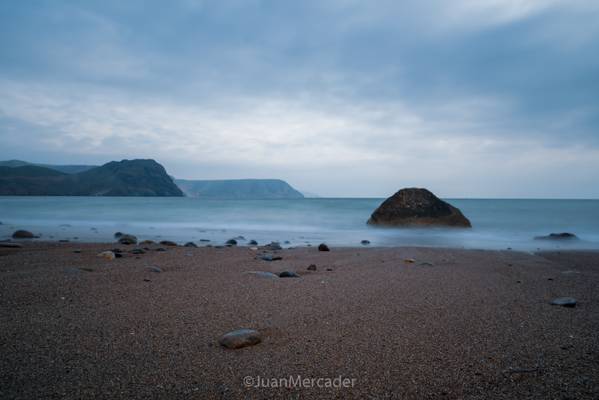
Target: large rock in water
[417, 207]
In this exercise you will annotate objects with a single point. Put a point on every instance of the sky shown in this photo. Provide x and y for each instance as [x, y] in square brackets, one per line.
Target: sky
[340, 98]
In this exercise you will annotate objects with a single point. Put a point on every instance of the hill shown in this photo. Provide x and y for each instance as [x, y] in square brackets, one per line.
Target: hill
[67, 169]
[122, 178]
[238, 189]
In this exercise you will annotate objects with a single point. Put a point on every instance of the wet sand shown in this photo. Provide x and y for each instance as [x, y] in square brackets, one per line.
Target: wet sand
[452, 324]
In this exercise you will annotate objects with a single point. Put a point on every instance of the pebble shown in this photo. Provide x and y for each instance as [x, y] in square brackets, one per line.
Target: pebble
[240, 338]
[231, 242]
[270, 257]
[274, 246]
[323, 247]
[160, 249]
[168, 243]
[365, 242]
[127, 239]
[564, 302]
[109, 255]
[288, 274]
[263, 274]
[253, 243]
[10, 245]
[190, 244]
[137, 251]
[312, 267]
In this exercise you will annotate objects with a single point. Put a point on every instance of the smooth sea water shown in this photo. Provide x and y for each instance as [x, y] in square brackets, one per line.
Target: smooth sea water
[497, 224]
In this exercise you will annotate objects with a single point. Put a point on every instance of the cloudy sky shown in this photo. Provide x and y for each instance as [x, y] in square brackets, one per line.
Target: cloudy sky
[470, 98]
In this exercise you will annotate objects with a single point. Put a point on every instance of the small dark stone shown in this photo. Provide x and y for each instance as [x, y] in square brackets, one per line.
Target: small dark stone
[147, 280]
[10, 245]
[253, 243]
[288, 274]
[564, 302]
[323, 247]
[118, 235]
[287, 242]
[312, 267]
[263, 274]
[118, 255]
[168, 243]
[127, 239]
[274, 246]
[240, 338]
[137, 251]
[160, 249]
[329, 269]
[76, 251]
[231, 242]
[23, 234]
[270, 257]
[190, 244]
[365, 242]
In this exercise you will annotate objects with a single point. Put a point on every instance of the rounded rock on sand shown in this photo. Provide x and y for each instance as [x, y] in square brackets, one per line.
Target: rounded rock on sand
[312, 267]
[231, 242]
[240, 338]
[23, 234]
[190, 244]
[127, 239]
[109, 255]
[323, 247]
[263, 274]
[168, 243]
[365, 242]
[288, 274]
[569, 302]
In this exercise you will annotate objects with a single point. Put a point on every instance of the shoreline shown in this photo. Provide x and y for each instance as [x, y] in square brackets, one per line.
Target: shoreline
[406, 322]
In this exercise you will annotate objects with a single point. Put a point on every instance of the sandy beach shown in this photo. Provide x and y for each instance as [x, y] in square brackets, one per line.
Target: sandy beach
[397, 323]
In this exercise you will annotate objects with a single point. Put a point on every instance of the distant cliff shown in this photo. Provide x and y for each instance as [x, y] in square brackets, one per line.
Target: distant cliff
[238, 189]
[68, 169]
[122, 178]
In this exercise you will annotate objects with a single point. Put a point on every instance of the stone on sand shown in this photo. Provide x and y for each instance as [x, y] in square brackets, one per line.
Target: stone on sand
[127, 239]
[23, 234]
[190, 244]
[564, 302]
[240, 338]
[270, 257]
[312, 267]
[288, 274]
[323, 247]
[168, 243]
[263, 274]
[417, 207]
[109, 255]
[11, 245]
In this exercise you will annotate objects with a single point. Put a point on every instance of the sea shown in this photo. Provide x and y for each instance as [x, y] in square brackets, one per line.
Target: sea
[497, 223]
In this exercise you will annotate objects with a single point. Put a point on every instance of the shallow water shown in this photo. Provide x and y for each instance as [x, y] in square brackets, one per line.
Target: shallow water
[496, 224]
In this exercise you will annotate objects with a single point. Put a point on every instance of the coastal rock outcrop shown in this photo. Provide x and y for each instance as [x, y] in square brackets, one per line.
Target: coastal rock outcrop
[558, 236]
[417, 207]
